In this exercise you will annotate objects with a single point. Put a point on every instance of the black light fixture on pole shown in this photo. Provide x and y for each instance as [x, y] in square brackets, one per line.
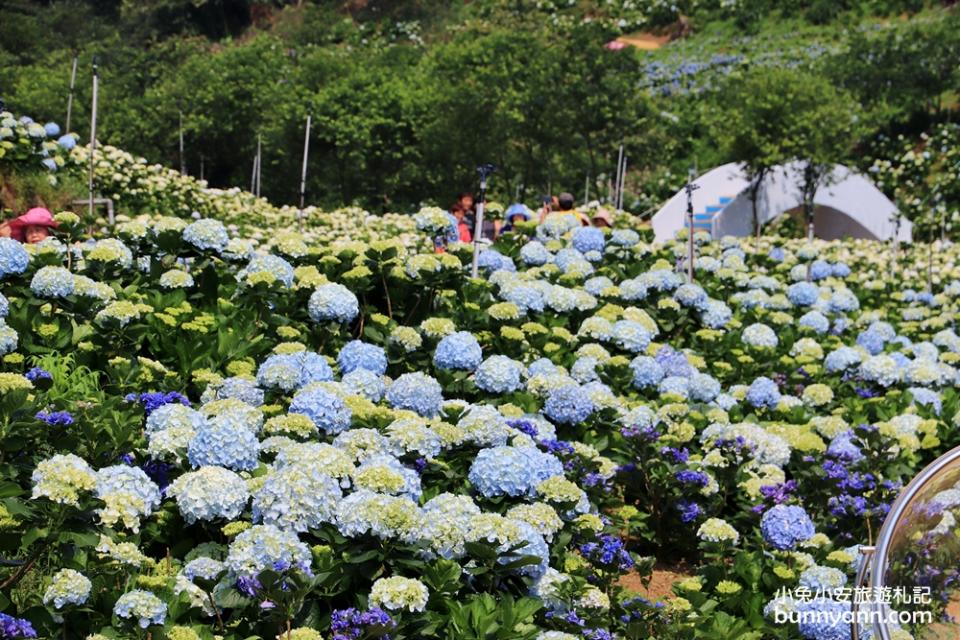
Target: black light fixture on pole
[484, 170]
[690, 188]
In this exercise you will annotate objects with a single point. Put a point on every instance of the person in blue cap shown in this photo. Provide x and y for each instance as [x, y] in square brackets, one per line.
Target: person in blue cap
[517, 212]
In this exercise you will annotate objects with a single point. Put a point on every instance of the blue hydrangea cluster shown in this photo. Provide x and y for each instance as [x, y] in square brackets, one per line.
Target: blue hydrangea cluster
[333, 302]
[674, 363]
[236, 388]
[763, 393]
[274, 265]
[4, 306]
[534, 254]
[224, 443]
[207, 235]
[263, 547]
[526, 296]
[357, 354]
[291, 371]
[364, 383]
[570, 404]
[586, 239]
[824, 619]
[493, 260]
[131, 487]
[512, 471]
[9, 339]
[68, 587]
[815, 320]
[716, 314]
[784, 526]
[624, 237]
[146, 608]
[841, 359]
[52, 282]
[498, 374]
[350, 624]
[203, 568]
[647, 372]
[14, 259]
[170, 416]
[13, 628]
[327, 411]
[631, 336]
[803, 294]
[458, 351]
[416, 392]
[209, 493]
[296, 498]
[153, 400]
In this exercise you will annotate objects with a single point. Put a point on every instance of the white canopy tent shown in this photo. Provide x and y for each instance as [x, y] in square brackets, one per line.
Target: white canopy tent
[849, 205]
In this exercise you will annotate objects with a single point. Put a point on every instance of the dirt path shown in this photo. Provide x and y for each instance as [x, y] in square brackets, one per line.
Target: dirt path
[660, 582]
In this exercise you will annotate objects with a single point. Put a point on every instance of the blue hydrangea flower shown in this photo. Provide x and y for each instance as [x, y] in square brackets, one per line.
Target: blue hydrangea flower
[692, 295]
[52, 282]
[647, 372]
[263, 547]
[595, 286]
[333, 302]
[803, 294]
[823, 619]
[67, 141]
[52, 129]
[207, 235]
[224, 443]
[417, 392]
[841, 359]
[872, 341]
[526, 296]
[290, 371]
[275, 265]
[498, 374]
[674, 363]
[927, 398]
[458, 351]
[357, 354]
[569, 404]
[204, 568]
[209, 493]
[534, 254]
[4, 307]
[820, 269]
[631, 336]
[364, 383]
[763, 392]
[843, 448]
[704, 387]
[675, 385]
[238, 388]
[326, 410]
[297, 498]
[586, 239]
[67, 587]
[145, 607]
[624, 237]
[784, 526]
[512, 471]
[716, 314]
[493, 260]
[815, 320]
[11, 627]
[8, 339]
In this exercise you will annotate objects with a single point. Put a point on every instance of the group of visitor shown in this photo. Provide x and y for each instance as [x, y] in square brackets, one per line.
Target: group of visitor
[464, 211]
[32, 227]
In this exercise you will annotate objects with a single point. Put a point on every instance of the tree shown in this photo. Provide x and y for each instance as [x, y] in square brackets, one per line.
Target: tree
[824, 126]
[757, 113]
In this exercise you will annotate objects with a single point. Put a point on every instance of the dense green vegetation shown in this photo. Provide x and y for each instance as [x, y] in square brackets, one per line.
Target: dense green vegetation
[408, 97]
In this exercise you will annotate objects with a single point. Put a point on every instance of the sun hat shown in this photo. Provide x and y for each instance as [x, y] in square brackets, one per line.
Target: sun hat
[517, 209]
[603, 214]
[36, 217]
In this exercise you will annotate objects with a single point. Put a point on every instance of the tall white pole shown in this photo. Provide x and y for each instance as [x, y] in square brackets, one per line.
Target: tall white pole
[478, 229]
[259, 163]
[616, 178]
[303, 171]
[93, 138]
[73, 82]
[623, 179]
[183, 160]
[586, 189]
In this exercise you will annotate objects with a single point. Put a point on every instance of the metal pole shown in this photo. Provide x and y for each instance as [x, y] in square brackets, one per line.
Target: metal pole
[484, 171]
[259, 163]
[253, 176]
[623, 180]
[586, 189]
[616, 178]
[93, 136]
[690, 188]
[73, 82]
[303, 171]
[201, 166]
[183, 160]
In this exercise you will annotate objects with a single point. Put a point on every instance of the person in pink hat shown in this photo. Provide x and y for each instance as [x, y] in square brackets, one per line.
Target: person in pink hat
[33, 226]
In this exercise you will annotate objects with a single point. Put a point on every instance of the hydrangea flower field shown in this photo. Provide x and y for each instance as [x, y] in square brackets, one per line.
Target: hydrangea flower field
[233, 432]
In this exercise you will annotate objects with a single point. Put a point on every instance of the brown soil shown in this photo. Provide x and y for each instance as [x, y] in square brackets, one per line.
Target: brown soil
[660, 582]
